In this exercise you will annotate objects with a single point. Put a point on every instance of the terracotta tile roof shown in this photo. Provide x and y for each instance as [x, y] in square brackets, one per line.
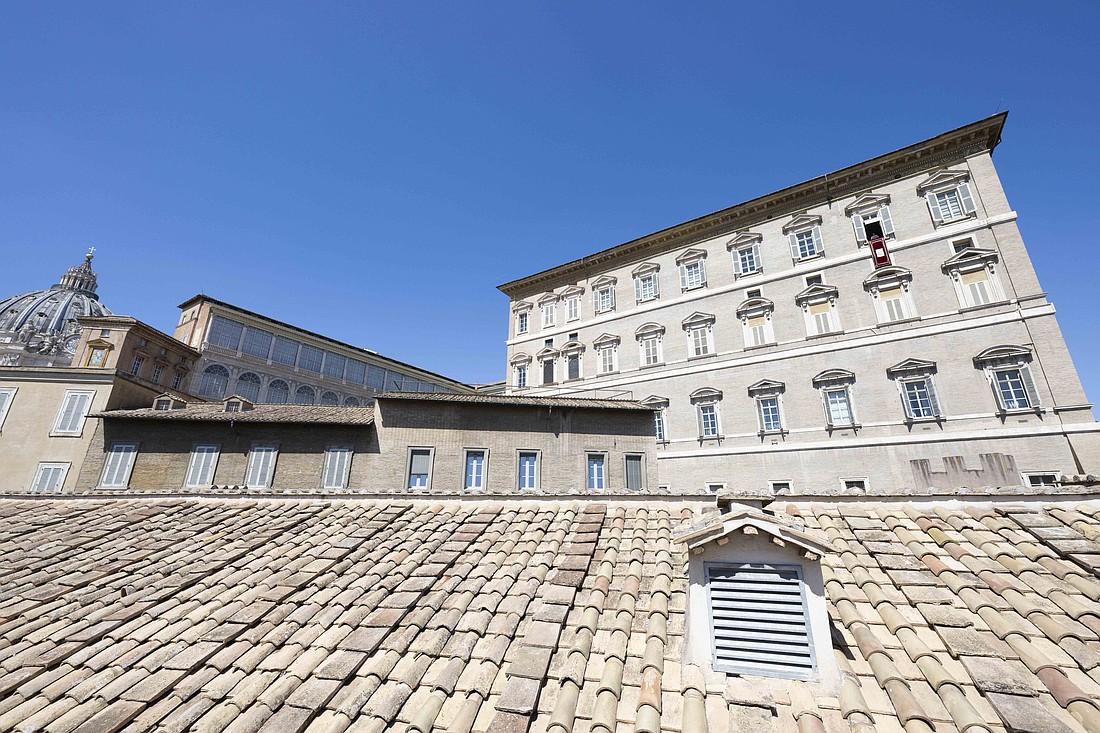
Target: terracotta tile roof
[293, 615]
[499, 399]
[215, 412]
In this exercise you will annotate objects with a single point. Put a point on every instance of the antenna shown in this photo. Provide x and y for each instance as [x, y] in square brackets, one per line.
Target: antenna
[999, 103]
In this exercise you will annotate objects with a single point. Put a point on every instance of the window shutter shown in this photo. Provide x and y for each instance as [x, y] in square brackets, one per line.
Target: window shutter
[992, 376]
[933, 397]
[966, 198]
[118, 465]
[702, 272]
[699, 418]
[905, 400]
[76, 405]
[861, 232]
[825, 406]
[759, 621]
[794, 245]
[934, 208]
[1029, 386]
[819, 247]
[638, 289]
[5, 397]
[756, 261]
[683, 277]
[887, 223]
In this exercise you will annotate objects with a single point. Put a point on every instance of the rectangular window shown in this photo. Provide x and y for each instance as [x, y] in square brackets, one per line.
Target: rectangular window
[1042, 479]
[838, 406]
[692, 275]
[893, 304]
[852, 485]
[521, 376]
[708, 421]
[651, 350]
[700, 341]
[549, 314]
[521, 322]
[7, 396]
[573, 307]
[475, 469]
[49, 478]
[821, 318]
[758, 620]
[119, 464]
[607, 359]
[261, 466]
[659, 425]
[420, 467]
[224, 333]
[311, 358]
[976, 287]
[919, 397]
[605, 299]
[573, 366]
[768, 410]
[285, 351]
[334, 365]
[158, 370]
[635, 475]
[645, 287]
[74, 408]
[950, 205]
[337, 465]
[806, 244]
[756, 330]
[356, 372]
[376, 378]
[200, 471]
[747, 260]
[597, 471]
[177, 381]
[162, 405]
[136, 365]
[528, 477]
[1011, 389]
[256, 342]
[548, 371]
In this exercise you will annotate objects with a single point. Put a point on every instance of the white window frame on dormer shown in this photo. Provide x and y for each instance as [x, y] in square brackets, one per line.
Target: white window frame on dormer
[693, 269]
[972, 267]
[945, 184]
[603, 294]
[1007, 368]
[798, 228]
[746, 243]
[891, 281]
[867, 209]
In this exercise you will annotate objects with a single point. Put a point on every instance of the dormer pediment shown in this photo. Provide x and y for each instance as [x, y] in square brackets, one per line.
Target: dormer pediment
[603, 281]
[690, 255]
[833, 376]
[752, 522]
[911, 366]
[889, 275]
[970, 258]
[572, 291]
[743, 239]
[705, 393]
[697, 319]
[606, 339]
[766, 386]
[801, 222]
[648, 329]
[547, 353]
[548, 299]
[236, 403]
[1007, 352]
[644, 269]
[521, 306]
[572, 347]
[816, 292]
[754, 305]
[866, 203]
[942, 179]
[520, 359]
[655, 401]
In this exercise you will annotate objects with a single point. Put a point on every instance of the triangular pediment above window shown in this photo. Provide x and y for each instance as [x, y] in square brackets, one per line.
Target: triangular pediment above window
[766, 386]
[889, 275]
[833, 376]
[521, 306]
[942, 179]
[705, 394]
[911, 366]
[547, 353]
[572, 291]
[655, 401]
[800, 222]
[755, 305]
[548, 299]
[975, 256]
[1006, 352]
[691, 255]
[745, 520]
[236, 403]
[603, 281]
[697, 319]
[645, 268]
[816, 293]
[744, 239]
[866, 203]
[649, 329]
[606, 339]
[520, 359]
[572, 347]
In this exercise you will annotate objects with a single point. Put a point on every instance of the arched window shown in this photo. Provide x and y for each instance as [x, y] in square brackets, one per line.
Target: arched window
[248, 386]
[278, 392]
[329, 398]
[352, 402]
[305, 395]
[215, 379]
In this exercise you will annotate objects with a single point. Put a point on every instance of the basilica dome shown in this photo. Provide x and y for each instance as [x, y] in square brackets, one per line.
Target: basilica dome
[44, 321]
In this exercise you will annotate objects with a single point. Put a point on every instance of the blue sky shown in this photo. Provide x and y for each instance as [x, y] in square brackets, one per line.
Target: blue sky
[374, 171]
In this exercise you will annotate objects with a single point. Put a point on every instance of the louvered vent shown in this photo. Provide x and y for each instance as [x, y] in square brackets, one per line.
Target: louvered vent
[759, 623]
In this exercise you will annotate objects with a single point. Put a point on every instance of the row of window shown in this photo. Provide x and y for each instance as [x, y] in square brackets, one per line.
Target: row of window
[889, 288]
[527, 469]
[1010, 378]
[229, 334]
[216, 380]
[947, 195]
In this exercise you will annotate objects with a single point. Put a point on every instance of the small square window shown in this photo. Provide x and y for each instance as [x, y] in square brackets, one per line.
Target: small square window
[815, 280]
[715, 488]
[756, 293]
[780, 486]
[854, 484]
[1042, 479]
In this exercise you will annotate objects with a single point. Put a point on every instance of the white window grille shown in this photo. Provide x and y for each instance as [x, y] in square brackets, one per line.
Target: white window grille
[768, 411]
[838, 407]
[693, 275]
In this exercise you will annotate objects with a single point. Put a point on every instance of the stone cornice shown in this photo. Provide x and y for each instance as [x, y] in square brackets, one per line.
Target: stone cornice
[945, 149]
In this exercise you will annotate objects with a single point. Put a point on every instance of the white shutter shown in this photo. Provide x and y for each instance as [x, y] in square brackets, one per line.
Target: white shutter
[933, 397]
[702, 272]
[825, 406]
[861, 232]
[1029, 386]
[966, 199]
[683, 277]
[336, 468]
[756, 261]
[819, 246]
[261, 460]
[737, 262]
[5, 400]
[904, 390]
[934, 208]
[200, 472]
[887, 223]
[72, 413]
[638, 289]
[794, 245]
[117, 468]
[759, 622]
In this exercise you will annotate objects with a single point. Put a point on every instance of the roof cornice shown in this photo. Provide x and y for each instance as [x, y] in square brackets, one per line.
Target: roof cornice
[945, 149]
